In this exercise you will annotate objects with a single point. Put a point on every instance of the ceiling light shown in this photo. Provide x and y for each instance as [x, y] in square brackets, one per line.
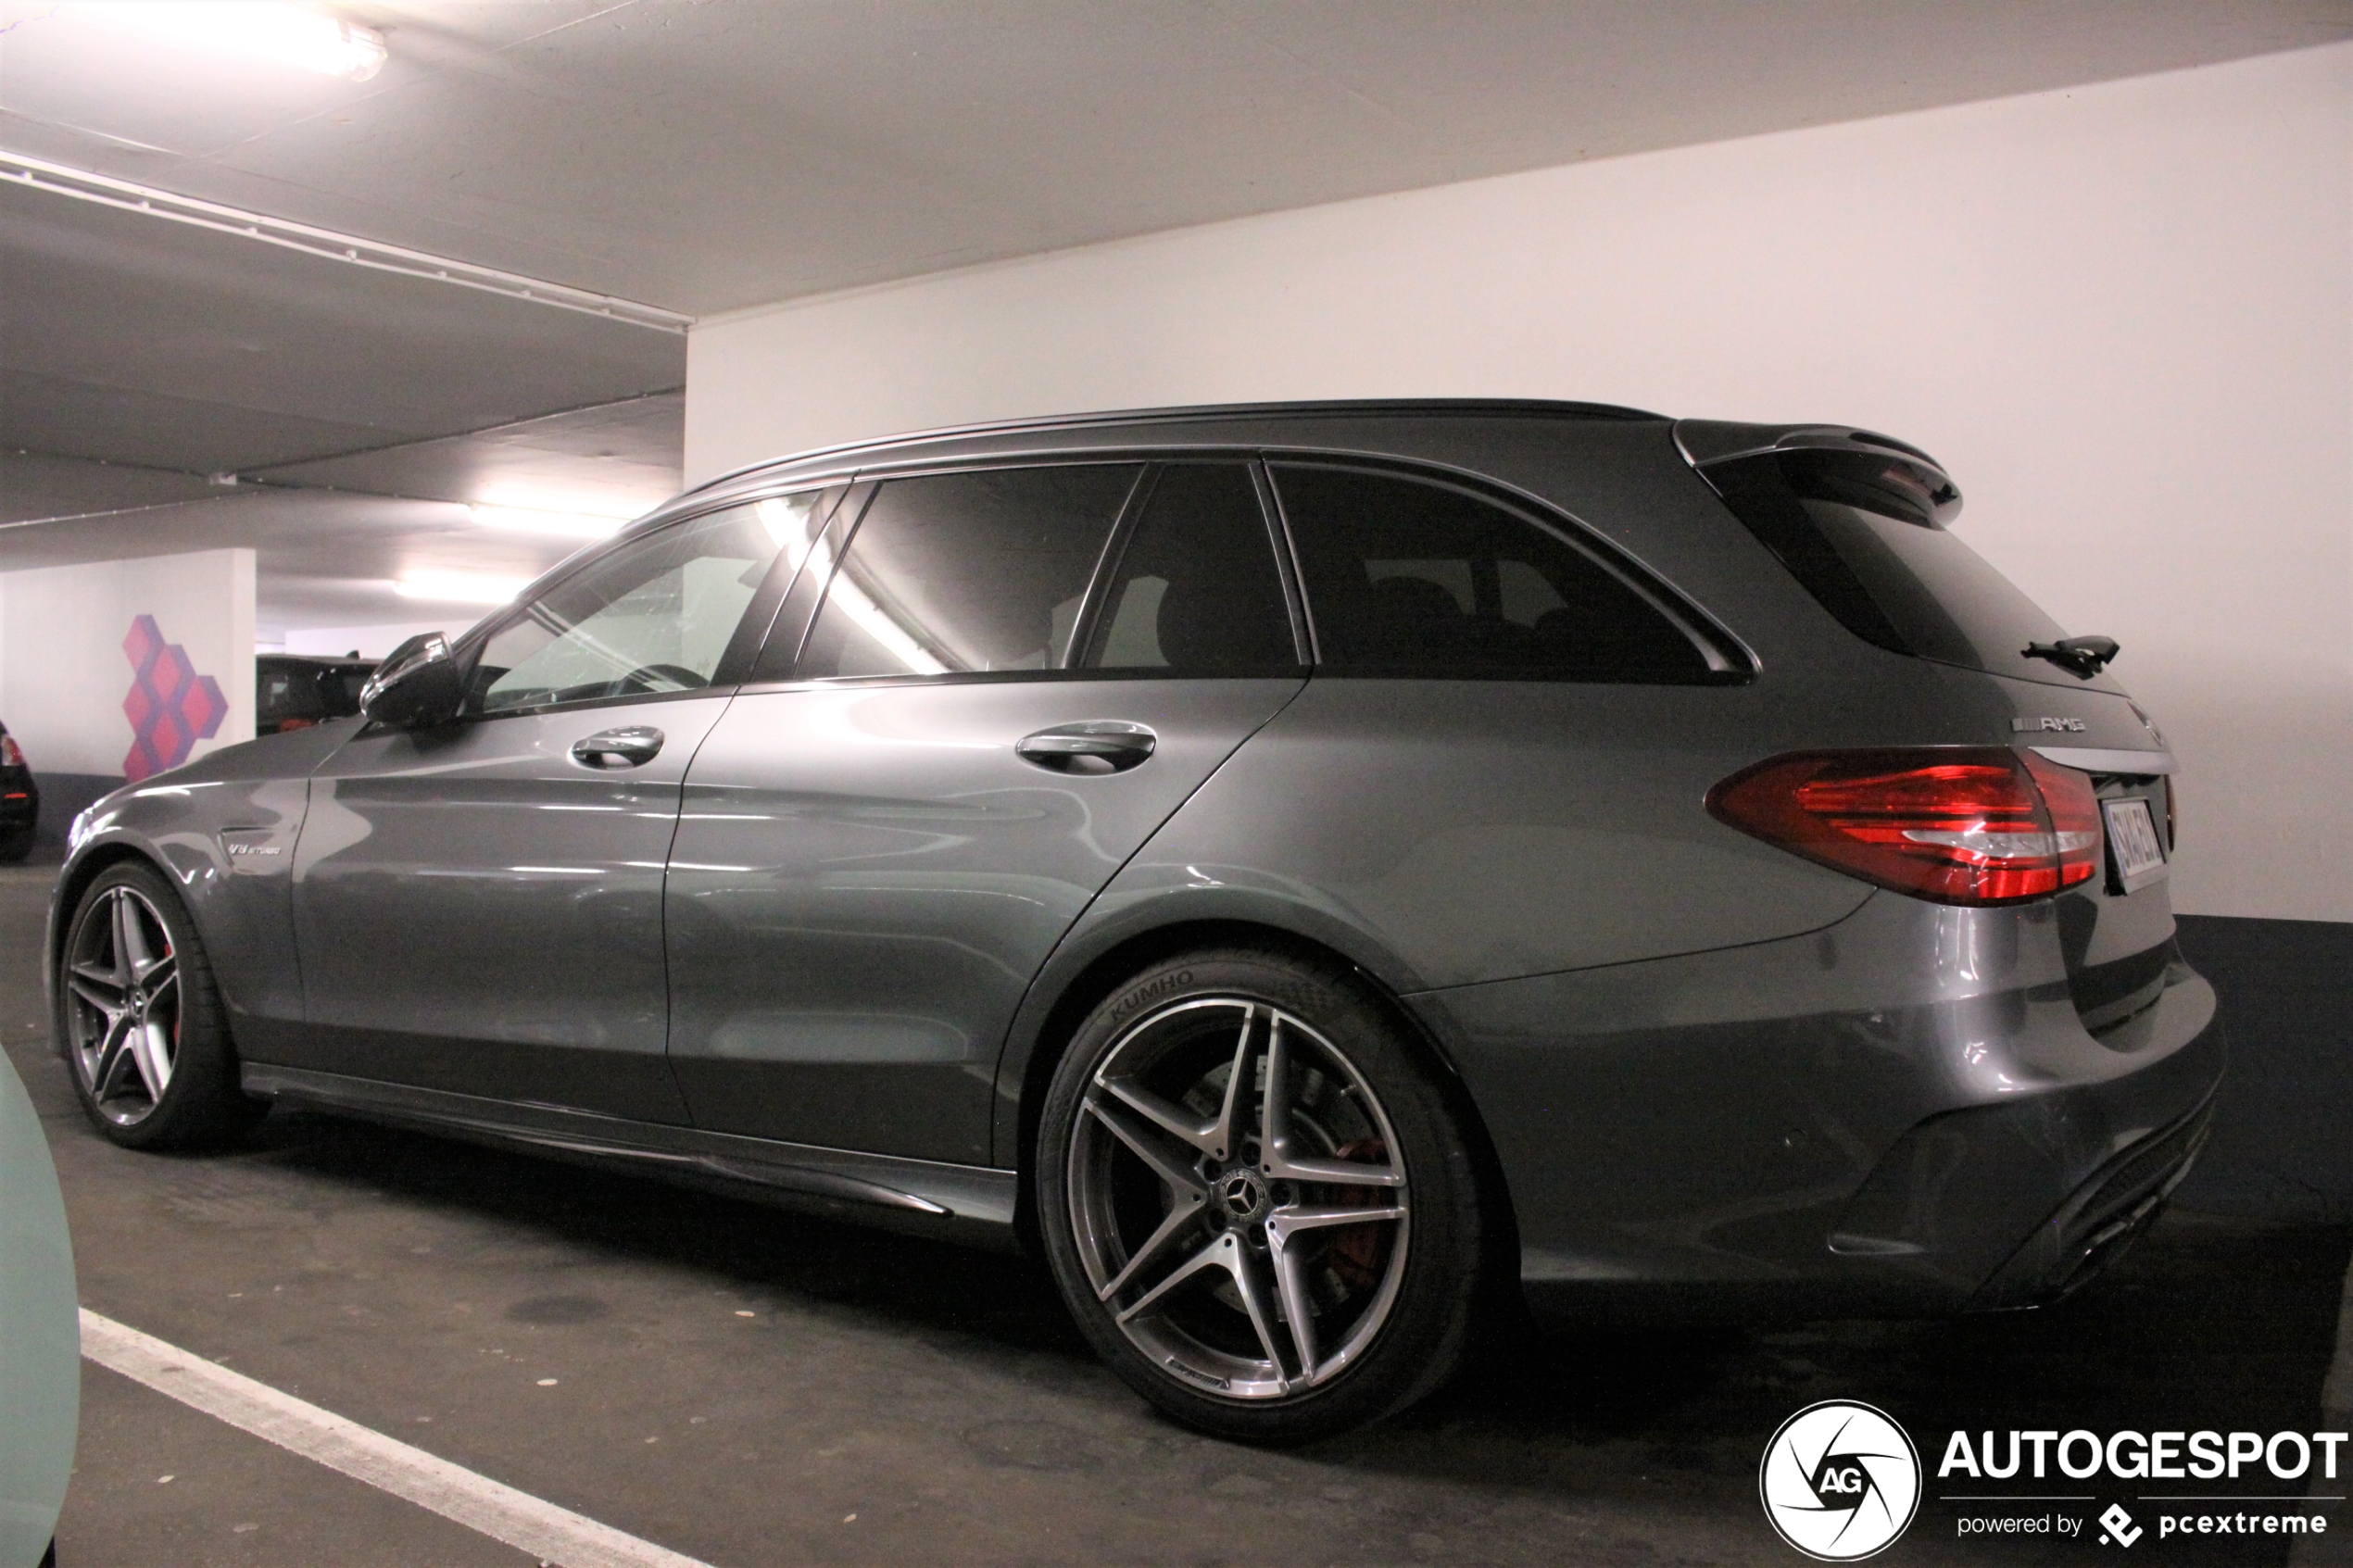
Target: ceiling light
[537, 520]
[293, 35]
[460, 587]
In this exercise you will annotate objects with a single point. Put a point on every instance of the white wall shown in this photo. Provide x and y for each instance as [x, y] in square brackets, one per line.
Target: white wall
[63, 672]
[2122, 315]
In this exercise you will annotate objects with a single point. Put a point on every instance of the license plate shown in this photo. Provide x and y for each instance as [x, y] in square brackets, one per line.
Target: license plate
[2132, 844]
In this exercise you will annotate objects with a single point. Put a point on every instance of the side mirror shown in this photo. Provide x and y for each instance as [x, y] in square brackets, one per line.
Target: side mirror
[419, 684]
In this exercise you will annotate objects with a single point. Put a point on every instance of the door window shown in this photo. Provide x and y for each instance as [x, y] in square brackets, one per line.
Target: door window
[1196, 590]
[654, 616]
[967, 572]
[1404, 577]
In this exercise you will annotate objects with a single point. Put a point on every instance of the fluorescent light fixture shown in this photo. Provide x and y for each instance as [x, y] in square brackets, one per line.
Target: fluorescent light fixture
[294, 35]
[460, 587]
[538, 519]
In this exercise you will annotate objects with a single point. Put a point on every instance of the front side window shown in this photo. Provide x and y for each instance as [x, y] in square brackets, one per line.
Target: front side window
[1408, 578]
[654, 616]
[973, 572]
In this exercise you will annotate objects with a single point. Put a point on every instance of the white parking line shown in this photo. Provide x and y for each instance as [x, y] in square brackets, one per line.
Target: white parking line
[554, 1534]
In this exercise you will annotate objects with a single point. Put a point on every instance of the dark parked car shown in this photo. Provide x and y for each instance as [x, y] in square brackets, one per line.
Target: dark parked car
[1286, 863]
[19, 800]
[293, 691]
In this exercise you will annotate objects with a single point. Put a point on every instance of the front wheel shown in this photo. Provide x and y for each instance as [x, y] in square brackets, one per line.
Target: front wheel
[1255, 1200]
[143, 1025]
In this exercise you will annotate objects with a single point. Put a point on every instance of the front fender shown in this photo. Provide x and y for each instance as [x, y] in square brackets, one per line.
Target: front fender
[227, 846]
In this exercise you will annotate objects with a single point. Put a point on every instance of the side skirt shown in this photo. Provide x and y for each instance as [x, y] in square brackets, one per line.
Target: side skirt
[964, 1203]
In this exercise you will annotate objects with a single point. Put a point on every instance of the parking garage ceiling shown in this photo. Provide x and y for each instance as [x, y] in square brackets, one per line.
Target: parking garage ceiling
[700, 156]
[135, 341]
[708, 156]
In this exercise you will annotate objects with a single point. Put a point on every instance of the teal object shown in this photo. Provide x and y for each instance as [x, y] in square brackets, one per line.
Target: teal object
[40, 1334]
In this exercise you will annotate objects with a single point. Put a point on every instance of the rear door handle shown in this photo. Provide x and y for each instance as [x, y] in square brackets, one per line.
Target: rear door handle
[1090, 746]
[631, 746]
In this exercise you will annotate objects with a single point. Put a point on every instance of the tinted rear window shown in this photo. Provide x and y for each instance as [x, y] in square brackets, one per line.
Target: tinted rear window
[1883, 566]
[1404, 577]
[288, 692]
[1196, 590]
[339, 691]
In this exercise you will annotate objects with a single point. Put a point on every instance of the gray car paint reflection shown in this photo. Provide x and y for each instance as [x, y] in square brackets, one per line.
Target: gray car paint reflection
[866, 878]
[1566, 836]
[482, 914]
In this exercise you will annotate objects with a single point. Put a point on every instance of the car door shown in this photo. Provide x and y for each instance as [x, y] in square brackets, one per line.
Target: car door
[1014, 676]
[478, 905]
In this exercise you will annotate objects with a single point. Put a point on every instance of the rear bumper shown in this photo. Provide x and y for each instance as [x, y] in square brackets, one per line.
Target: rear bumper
[2099, 1220]
[2016, 1205]
[1901, 1115]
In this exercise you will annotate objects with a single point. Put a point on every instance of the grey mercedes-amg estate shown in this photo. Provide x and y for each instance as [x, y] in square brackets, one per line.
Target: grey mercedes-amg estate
[1287, 864]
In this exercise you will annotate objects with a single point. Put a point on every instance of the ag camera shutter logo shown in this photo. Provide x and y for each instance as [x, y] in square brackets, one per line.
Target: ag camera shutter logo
[1841, 1481]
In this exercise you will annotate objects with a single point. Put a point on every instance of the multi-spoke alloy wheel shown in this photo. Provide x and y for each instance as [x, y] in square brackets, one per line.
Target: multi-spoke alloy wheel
[1236, 1198]
[123, 983]
[1255, 1195]
[140, 1017]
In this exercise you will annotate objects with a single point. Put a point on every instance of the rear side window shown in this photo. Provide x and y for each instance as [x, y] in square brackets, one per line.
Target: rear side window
[967, 572]
[1859, 533]
[1405, 577]
[1195, 590]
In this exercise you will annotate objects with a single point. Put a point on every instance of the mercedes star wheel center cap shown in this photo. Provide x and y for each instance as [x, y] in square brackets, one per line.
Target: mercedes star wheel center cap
[1243, 1194]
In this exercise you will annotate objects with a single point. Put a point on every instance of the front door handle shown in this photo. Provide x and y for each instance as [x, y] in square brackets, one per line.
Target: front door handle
[1091, 746]
[631, 746]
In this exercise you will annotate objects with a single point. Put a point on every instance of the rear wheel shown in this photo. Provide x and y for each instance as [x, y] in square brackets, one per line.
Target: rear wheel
[142, 1021]
[1255, 1200]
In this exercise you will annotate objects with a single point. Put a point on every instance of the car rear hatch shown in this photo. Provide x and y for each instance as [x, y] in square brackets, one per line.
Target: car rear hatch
[1861, 520]
[2117, 929]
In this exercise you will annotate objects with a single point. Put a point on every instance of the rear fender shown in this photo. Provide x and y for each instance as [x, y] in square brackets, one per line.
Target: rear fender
[1146, 921]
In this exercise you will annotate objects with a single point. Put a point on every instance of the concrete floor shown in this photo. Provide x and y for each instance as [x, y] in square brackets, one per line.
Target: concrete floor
[750, 1387]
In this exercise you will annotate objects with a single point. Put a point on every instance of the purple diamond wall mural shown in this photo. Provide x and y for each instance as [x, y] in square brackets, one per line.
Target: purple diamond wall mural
[170, 707]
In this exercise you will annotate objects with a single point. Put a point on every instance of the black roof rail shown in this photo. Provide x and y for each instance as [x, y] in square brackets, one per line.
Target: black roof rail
[1521, 407]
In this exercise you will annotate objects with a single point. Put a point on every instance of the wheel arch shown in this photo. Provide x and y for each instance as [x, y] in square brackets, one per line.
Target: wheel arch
[1084, 972]
[73, 883]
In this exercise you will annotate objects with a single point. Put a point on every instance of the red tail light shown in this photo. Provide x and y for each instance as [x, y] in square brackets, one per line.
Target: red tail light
[1957, 824]
[12, 754]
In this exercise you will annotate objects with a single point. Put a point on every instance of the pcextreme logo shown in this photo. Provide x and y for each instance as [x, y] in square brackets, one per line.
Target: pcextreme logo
[1841, 1481]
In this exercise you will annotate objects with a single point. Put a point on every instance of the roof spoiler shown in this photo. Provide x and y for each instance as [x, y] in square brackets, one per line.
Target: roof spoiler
[1908, 473]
